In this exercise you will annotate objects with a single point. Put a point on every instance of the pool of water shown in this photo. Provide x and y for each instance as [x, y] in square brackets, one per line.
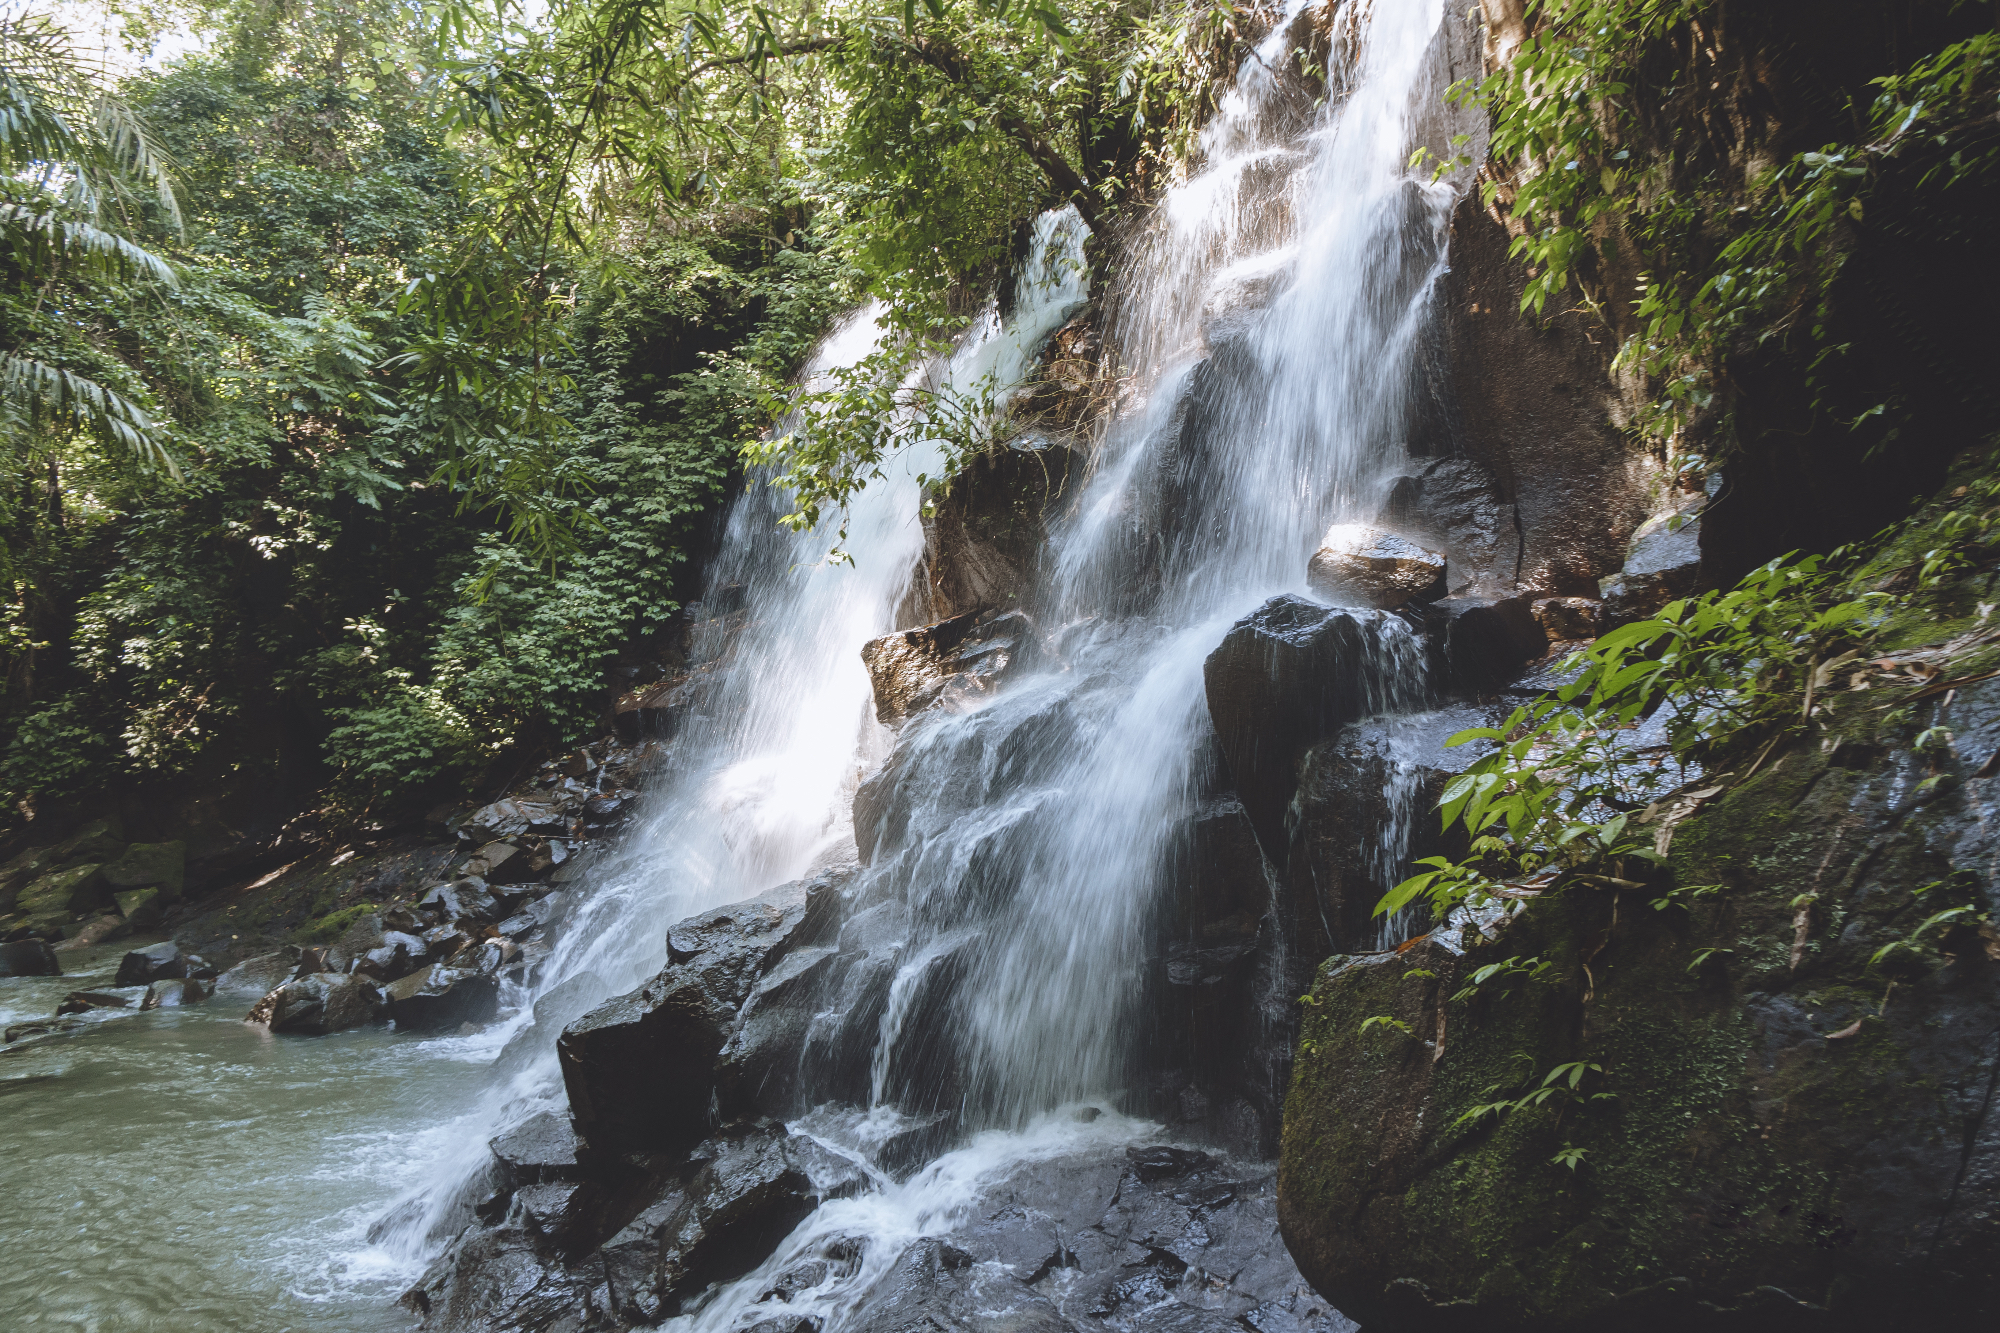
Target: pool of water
[180, 1169]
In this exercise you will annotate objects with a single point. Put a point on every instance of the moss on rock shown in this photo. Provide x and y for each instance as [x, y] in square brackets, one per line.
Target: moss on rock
[1777, 1133]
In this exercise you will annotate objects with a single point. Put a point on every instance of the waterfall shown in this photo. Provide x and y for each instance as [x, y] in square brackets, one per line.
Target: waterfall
[1265, 322]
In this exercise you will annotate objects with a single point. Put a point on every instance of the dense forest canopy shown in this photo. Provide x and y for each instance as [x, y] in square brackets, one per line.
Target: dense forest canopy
[374, 371]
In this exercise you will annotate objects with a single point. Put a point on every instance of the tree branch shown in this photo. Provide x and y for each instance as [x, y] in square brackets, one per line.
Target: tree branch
[1044, 154]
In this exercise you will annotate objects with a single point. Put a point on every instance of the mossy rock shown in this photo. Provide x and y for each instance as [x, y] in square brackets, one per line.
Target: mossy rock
[139, 907]
[100, 840]
[160, 865]
[1769, 1144]
[51, 901]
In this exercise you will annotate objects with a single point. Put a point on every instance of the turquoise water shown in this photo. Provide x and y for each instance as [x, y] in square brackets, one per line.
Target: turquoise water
[181, 1170]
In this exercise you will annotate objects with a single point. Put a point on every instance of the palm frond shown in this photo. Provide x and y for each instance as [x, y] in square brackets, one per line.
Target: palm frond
[34, 392]
[85, 246]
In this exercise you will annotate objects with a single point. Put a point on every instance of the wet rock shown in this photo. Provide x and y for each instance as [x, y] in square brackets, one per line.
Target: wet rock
[1567, 619]
[260, 974]
[139, 907]
[319, 1004]
[640, 1070]
[50, 902]
[757, 1070]
[500, 1279]
[155, 962]
[656, 710]
[509, 819]
[150, 865]
[984, 534]
[462, 899]
[1284, 677]
[173, 993]
[1533, 413]
[83, 1001]
[504, 863]
[438, 998]
[45, 1027]
[398, 955]
[1664, 564]
[540, 1150]
[29, 958]
[744, 1196]
[934, 1284]
[1454, 506]
[1358, 565]
[909, 668]
[1479, 643]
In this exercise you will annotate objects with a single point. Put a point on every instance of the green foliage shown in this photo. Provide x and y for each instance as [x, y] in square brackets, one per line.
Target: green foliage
[1603, 114]
[350, 580]
[1561, 797]
[1561, 1087]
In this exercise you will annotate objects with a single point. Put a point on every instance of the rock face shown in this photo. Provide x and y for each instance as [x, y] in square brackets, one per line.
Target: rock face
[1534, 412]
[1362, 566]
[640, 1071]
[155, 865]
[1775, 1131]
[983, 538]
[439, 998]
[1284, 677]
[1479, 643]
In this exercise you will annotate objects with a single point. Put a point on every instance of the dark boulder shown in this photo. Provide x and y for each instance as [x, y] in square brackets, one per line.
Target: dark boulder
[745, 1194]
[438, 998]
[29, 958]
[155, 962]
[1284, 677]
[1664, 564]
[319, 1004]
[1567, 619]
[984, 533]
[908, 668]
[640, 1070]
[259, 975]
[140, 908]
[934, 1284]
[656, 710]
[1479, 643]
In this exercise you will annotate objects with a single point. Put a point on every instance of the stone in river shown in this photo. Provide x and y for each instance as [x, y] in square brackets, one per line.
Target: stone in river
[173, 993]
[155, 962]
[29, 958]
[438, 998]
[321, 1003]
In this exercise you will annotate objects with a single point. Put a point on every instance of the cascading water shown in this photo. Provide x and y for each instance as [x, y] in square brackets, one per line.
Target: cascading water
[995, 949]
[999, 952]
